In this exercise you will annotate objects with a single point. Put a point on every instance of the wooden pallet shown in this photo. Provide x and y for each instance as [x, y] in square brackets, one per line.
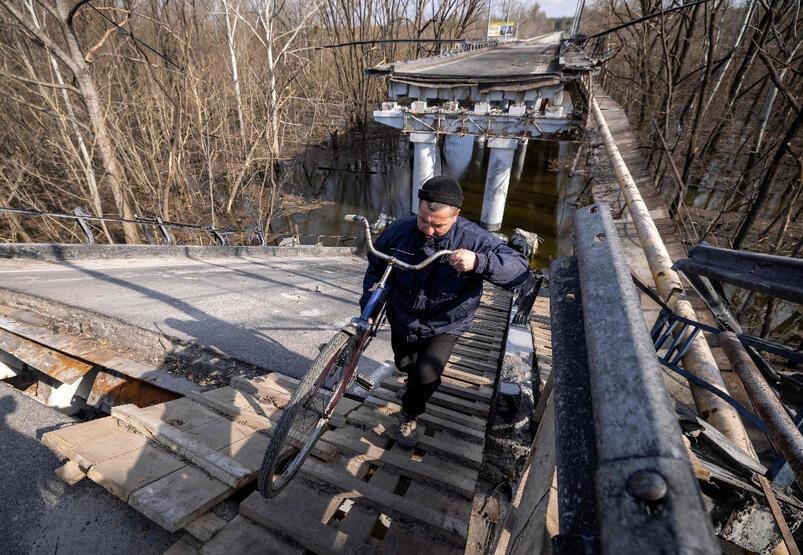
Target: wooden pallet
[358, 492]
[376, 497]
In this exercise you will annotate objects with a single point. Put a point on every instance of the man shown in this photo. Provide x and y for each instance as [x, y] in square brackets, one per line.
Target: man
[430, 308]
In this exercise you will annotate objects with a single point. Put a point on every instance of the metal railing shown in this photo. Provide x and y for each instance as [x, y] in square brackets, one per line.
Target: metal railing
[251, 235]
[625, 482]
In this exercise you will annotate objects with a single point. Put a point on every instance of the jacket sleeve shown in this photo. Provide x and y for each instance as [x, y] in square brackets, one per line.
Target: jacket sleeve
[500, 264]
[375, 268]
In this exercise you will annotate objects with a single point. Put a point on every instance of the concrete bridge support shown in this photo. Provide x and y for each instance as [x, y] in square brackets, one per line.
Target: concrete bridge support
[425, 162]
[500, 163]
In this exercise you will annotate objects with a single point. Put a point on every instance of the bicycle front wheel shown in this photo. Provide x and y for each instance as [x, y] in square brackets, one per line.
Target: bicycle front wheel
[306, 415]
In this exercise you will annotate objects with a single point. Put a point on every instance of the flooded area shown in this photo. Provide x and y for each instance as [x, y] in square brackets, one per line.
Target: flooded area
[373, 176]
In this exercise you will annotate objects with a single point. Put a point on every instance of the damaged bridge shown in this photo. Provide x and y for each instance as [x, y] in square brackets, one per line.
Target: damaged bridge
[613, 407]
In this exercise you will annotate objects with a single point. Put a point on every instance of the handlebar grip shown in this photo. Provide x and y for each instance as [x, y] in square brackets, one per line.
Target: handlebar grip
[352, 218]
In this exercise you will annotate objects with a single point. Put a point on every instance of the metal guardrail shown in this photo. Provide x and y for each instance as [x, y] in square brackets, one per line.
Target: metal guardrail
[221, 236]
[645, 494]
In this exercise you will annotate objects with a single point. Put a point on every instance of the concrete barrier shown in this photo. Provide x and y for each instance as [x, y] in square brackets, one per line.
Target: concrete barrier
[53, 252]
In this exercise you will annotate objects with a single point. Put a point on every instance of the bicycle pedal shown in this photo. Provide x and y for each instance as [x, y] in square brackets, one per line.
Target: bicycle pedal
[364, 381]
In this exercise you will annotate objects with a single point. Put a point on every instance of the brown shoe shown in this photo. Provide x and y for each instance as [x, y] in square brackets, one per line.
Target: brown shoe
[406, 435]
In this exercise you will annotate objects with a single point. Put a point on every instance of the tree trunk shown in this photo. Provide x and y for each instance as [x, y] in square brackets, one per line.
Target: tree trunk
[767, 181]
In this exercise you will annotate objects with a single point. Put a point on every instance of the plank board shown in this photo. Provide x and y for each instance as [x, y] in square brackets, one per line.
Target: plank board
[447, 445]
[93, 442]
[202, 455]
[242, 408]
[472, 432]
[454, 477]
[125, 474]
[338, 476]
[433, 409]
[302, 513]
[479, 395]
[177, 499]
[242, 535]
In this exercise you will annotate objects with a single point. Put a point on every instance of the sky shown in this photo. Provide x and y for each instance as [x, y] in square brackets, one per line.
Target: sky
[558, 8]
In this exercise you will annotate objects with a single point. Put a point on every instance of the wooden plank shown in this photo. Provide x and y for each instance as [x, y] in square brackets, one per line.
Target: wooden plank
[474, 363]
[93, 442]
[392, 402]
[358, 525]
[186, 545]
[775, 509]
[125, 474]
[484, 354]
[454, 477]
[729, 449]
[446, 400]
[465, 375]
[459, 388]
[482, 394]
[70, 473]
[182, 414]
[177, 499]
[278, 389]
[453, 447]
[235, 405]
[218, 465]
[205, 526]
[302, 512]
[391, 409]
[242, 535]
[354, 487]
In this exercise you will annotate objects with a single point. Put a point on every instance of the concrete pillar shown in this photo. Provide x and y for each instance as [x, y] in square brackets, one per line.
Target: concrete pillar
[425, 162]
[522, 154]
[457, 152]
[500, 163]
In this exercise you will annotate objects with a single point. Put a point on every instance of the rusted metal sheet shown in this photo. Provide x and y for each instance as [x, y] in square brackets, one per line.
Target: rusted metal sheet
[110, 391]
[58, 366]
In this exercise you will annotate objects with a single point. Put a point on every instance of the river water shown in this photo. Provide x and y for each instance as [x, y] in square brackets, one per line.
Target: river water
[370, 175]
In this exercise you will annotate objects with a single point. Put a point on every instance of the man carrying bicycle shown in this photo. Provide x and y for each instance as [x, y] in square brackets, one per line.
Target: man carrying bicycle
[429, 309]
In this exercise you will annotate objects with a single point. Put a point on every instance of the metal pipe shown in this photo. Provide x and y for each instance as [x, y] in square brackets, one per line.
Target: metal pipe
[698, 359]
[784, 435]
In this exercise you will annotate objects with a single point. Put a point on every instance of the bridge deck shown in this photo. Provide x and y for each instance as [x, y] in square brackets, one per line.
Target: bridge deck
[359, 491]
[501, 63]
[268, 311]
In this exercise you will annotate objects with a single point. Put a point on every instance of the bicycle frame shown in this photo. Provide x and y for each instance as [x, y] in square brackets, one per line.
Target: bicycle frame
[377, 296]
[364, 327]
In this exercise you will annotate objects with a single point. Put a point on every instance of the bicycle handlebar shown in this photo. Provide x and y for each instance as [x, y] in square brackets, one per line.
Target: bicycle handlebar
[392, 260]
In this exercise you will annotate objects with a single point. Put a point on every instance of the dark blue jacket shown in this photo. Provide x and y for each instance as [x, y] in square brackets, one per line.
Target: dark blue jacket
[439, 299]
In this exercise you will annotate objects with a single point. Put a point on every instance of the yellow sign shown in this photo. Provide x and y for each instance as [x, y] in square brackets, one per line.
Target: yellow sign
[501, 29]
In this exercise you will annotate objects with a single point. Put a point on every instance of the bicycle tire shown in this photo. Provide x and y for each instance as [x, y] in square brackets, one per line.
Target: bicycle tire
[268, 484]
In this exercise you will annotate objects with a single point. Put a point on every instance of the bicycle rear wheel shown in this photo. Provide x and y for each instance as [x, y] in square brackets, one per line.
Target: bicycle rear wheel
[306, 415]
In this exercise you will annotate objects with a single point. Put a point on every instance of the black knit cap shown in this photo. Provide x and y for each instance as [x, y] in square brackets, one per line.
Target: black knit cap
[442, 188]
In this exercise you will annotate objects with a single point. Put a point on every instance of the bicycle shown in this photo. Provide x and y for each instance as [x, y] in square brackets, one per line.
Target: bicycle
[332, 372]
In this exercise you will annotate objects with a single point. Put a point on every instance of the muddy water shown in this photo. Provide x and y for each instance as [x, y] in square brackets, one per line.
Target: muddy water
[374, 176]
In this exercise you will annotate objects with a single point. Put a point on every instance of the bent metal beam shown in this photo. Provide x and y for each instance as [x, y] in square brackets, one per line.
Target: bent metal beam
[698, 359]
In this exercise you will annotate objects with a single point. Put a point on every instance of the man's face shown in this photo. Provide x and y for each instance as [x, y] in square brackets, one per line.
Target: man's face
[434, 224]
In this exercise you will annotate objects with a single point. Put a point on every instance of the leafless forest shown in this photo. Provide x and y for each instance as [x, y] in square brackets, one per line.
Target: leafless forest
[192, 111]
[715, 90]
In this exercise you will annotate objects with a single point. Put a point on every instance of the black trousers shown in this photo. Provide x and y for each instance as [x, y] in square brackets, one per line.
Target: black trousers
[423, 362]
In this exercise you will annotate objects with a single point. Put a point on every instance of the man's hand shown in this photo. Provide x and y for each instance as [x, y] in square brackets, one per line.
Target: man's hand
[463, 260]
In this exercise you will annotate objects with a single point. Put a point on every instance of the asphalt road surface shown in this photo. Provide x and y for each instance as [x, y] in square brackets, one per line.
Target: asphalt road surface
[270, 311]
[42, 514]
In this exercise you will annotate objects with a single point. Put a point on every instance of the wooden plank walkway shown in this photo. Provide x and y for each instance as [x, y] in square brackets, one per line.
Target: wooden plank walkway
[358, 492]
